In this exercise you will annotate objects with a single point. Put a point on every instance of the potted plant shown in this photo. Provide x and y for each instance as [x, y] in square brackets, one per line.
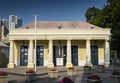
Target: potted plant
[71, 71]
[53, 73]
[87, 69]
[101, 68]
[3, 77]
[115, 77]
[112, 66]
[94, 79]
[30, 75]
[66, 80]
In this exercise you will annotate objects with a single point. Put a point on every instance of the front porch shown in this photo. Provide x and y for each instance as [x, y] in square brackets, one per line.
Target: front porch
[53, 53]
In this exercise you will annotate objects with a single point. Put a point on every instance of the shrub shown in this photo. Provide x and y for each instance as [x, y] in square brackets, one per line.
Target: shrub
[87, 67]
[95, 77]
[3, 73]
[30, 71]
[3, 60]
[116, 73]
[66, 80]
[71, 68]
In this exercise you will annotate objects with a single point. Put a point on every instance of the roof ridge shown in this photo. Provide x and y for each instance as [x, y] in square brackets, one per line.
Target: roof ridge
[63, 24]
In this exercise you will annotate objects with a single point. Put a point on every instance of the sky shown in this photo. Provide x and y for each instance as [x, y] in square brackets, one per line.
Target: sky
[48, 10]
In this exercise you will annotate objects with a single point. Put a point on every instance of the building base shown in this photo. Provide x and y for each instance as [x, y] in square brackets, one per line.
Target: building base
[30, 65]
[69, 65]
[89, 64]
[107, 64]
[50, 65]
[10, 65]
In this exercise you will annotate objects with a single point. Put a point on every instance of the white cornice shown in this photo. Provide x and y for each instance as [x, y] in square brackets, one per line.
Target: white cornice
[57, 34]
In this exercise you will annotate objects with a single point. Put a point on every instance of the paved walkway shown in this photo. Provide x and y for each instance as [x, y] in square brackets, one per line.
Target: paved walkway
[17, 75]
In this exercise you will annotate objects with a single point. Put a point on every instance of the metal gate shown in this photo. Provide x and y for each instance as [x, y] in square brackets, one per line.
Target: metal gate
[23, 55]
[94, 54]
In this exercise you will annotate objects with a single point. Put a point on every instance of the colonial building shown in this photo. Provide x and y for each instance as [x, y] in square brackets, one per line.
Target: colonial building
[59, 44]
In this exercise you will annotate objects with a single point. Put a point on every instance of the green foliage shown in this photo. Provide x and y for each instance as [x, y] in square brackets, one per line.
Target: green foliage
[91, 13]
[108, 17]
[3, 60]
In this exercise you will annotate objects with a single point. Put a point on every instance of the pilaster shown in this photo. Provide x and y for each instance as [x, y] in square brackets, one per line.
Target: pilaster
[69, 63]
[50, 61]
[30, 55]
[11, 55]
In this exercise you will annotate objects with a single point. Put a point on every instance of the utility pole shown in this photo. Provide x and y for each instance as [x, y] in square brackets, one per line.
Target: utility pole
[35, 62]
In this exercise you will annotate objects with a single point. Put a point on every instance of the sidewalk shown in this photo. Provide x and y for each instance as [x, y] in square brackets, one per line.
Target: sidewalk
[17, 75]
[79, 78]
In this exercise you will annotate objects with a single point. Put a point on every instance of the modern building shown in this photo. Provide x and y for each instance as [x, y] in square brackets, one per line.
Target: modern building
[0, 27]
[0, 22]
[14, 22]
[4, 24]
[59, 44]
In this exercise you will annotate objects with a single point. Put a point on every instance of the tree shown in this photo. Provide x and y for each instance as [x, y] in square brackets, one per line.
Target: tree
[108, 17]
[91, 13]
[3, 60]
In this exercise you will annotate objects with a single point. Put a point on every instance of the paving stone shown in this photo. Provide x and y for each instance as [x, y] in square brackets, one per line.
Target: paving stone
[17, 75]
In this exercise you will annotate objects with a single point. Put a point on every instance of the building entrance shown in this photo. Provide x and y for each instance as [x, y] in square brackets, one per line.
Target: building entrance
[23, 55]
[40, 55]
[59, 55]
[74, 55]
[94, 54]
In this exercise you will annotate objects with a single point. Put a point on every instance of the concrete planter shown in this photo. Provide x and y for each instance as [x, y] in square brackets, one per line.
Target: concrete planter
[115, 79]
[71, 72]
[53, 74]
[30, 76]
[101, 68]
[87, 71]
[3, 79]
[112, 67]
[94, 81]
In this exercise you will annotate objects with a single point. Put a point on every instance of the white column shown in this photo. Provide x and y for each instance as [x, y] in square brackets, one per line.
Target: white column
[50, 61]
[107, 53]
[30, 55]
[11, 55]
[69, 63]
[88, 53]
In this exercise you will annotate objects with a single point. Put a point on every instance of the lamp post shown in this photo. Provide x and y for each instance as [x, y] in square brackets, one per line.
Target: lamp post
[35, 43]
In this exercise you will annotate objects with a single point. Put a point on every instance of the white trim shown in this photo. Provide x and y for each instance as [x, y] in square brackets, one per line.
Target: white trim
[101, 62]
[16, 63]
[82, 62]
[56, 34]
[45, 63]
[19, 55]
[79, 54]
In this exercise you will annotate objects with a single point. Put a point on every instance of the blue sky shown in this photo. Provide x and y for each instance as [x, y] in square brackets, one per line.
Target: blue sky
[48, 10]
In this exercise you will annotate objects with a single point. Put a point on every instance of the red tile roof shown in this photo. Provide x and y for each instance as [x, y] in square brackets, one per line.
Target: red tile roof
[61, 25]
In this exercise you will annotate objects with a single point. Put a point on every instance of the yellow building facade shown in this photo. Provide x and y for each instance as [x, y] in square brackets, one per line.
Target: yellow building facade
[59, 44]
